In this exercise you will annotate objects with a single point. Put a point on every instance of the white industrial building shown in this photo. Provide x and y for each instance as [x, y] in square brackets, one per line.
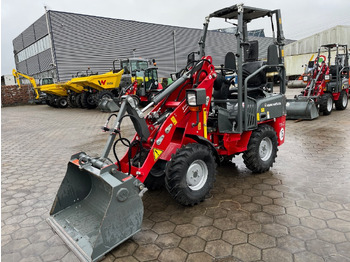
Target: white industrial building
[298, 53]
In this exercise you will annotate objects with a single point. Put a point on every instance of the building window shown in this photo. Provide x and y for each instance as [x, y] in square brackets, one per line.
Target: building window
[34, 49]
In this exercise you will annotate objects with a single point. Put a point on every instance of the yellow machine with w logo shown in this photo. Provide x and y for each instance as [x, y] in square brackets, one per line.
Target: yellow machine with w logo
[90, 89]
[109, 80]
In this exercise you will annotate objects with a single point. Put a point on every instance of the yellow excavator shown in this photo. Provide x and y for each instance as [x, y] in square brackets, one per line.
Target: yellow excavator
[56, 94]
[17, 74]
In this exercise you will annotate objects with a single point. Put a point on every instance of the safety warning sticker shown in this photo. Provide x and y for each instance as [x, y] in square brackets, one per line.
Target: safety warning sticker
[157, 153]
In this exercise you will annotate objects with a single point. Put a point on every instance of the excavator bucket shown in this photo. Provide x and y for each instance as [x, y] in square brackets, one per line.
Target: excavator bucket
[96, 209]
[301, 109]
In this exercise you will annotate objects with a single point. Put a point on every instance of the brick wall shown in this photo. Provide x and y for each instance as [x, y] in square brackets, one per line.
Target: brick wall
[12, 95]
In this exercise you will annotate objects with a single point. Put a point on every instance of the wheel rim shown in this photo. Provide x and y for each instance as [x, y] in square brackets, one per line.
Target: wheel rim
[90, 100]
[265, 148]
[63, 102]
[108, 96]
[329, 104]
[197, 175]
[345, 100]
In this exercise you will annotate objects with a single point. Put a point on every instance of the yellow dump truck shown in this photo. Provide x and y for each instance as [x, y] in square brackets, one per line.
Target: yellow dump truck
[90, 89]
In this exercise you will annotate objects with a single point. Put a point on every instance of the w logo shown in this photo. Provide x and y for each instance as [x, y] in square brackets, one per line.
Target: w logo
[102, 82]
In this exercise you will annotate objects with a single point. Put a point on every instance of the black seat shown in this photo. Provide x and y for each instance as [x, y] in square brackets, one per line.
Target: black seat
[258, 80]
[230, 61]
[221, 84]
[251, 51]
[221, 87]
[251, 55]
[333, 72]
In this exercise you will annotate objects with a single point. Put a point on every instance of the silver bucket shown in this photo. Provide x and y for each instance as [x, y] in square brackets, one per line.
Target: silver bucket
[96, 209]
[301, 109]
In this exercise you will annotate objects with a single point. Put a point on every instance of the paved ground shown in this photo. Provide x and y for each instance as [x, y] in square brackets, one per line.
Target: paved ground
[299, 211]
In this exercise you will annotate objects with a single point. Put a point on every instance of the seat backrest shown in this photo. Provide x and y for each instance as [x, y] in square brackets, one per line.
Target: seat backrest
[251, 51]
[230, 61]
[333, 71]
[221, 87]
[249, 68]
[272, 55]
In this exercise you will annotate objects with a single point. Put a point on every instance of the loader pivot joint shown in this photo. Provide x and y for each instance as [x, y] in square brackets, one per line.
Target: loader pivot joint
[105, 129]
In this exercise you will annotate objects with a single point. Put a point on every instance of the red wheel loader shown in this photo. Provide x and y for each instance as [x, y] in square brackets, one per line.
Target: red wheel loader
[327, 83]
[199, 119]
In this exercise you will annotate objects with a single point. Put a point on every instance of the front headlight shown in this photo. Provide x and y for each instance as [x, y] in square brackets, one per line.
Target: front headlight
[305, 78]
[173, 76]
[191, 99]
[196, 97]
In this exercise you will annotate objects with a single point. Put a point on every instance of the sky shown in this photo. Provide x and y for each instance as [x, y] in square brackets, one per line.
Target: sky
[301, 18]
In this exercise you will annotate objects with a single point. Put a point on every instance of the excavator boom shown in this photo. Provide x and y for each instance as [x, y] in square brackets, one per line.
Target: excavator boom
[17, 74]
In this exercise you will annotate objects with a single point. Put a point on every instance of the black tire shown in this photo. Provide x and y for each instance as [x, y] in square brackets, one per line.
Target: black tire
[190, 174]
[262, 149]
[48, 100]
[78, 101]
[53, 101]
[71, 100]
[155, 179]
[342, 101]
[88, 101]
[103, 94]
[326, 104]
[61, 102]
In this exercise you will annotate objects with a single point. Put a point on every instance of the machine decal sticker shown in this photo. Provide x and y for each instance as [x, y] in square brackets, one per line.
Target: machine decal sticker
[281, 134]
[173, 119]
[157, 153]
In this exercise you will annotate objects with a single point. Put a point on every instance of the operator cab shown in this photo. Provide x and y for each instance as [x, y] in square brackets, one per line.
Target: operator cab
[339, 71]
[239, 105]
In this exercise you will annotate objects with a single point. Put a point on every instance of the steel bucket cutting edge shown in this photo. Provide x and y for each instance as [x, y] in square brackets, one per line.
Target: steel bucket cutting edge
[95, 209]
[301, 109]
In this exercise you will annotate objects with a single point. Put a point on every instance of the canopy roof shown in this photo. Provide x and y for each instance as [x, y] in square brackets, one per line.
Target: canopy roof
[249, 13]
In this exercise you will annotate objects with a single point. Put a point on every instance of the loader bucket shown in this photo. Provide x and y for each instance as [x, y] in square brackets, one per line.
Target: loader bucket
[301, 109]
[96, 209]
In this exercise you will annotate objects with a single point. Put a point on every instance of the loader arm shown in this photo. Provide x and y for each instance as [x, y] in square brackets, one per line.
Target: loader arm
[17, 74]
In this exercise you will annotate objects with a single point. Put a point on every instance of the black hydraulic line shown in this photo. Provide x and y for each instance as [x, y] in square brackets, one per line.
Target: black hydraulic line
[126, 143]
[131, 116]
[181, 91]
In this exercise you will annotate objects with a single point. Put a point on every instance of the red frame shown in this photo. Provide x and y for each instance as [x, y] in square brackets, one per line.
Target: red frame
[174, 132]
